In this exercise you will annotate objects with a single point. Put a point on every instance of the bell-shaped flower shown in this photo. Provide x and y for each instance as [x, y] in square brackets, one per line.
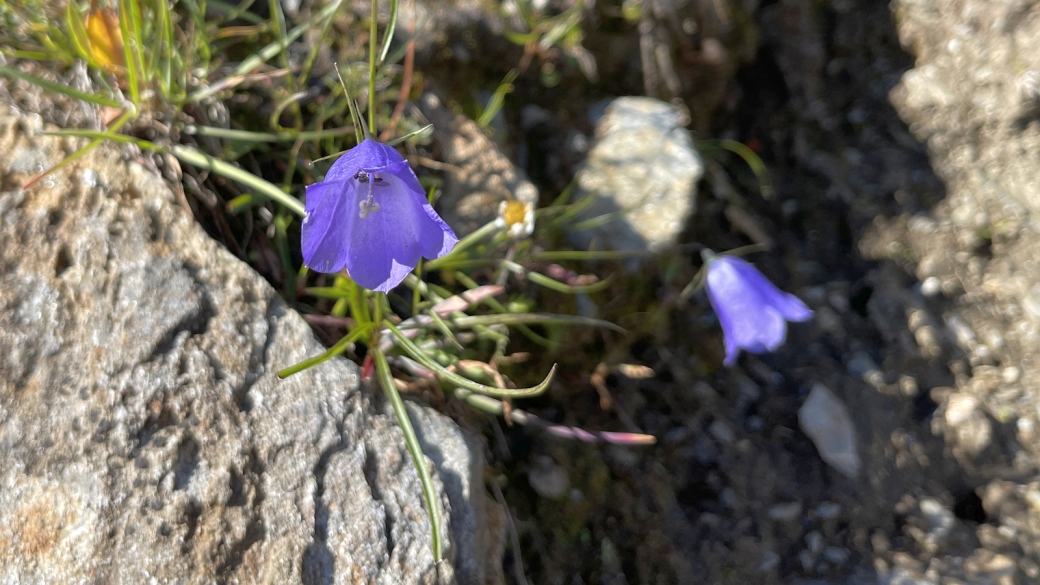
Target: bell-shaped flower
[370, 216]
[753, 313]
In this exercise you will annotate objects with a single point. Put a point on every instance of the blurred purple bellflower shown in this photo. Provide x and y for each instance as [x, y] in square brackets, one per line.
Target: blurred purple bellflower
[370, 215]
[753, 313]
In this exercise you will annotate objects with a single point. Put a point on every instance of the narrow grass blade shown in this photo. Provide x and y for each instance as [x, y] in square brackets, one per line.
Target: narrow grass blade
[290, 136]
[558, 255]
[116, 125]
[465, 243]
[262, 187]
[112, 136]
[753, 161]
[131, 49]
[386, 381]
[512, 319]
[327, 292]
[388, 35]
[255, 60]
[59, 88]
[498, 99]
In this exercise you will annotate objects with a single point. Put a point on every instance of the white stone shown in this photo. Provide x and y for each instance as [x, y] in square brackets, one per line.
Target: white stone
[825, 419]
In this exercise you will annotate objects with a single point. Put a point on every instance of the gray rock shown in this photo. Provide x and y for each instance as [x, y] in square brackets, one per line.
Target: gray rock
[973, 95]
[145, 437]
[826, 420]
[641, 175]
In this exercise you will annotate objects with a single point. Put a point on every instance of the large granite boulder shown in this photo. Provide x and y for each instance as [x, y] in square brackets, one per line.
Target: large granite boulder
[144, 436]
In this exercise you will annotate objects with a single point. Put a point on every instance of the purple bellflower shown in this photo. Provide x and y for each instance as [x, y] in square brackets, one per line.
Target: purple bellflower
[371, 216]
[753, 313]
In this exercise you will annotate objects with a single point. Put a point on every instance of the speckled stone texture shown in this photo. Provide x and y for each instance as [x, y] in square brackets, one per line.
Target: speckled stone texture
[641, 175]
[143, 434]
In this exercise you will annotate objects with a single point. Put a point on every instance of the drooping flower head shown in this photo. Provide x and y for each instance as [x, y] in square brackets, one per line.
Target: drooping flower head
[370, 216]
[753, 313]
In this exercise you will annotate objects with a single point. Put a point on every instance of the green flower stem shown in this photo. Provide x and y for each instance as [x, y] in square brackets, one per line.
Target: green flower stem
[358, 306]
[201, 160]
[373, 30]
[414, 449]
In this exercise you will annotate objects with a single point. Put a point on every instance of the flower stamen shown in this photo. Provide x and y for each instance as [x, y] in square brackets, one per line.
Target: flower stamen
[368, 204]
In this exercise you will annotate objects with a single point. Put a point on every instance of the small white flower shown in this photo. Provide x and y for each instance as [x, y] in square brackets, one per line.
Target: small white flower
[517, 217]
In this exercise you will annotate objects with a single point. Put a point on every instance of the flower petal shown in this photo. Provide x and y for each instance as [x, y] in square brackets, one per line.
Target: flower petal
[435, 237]
[790, 306]
[327, 224]
[384, 245]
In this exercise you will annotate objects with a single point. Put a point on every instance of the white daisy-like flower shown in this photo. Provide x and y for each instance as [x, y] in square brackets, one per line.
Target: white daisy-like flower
[517, 217]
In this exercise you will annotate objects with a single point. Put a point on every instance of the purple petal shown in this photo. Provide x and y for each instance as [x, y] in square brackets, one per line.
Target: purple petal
[751, 310]
[327, 224]
[373, 157]
[435, 237]
[399, 168]
[790, 306]
[384, 245]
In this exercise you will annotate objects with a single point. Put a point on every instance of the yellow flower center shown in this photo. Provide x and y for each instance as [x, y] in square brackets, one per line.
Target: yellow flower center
[514, 212]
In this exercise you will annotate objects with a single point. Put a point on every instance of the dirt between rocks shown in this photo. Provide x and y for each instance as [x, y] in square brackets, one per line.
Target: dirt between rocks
[894, 222]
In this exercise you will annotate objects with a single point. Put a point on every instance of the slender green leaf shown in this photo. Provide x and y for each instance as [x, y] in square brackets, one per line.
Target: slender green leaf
[261, 56]
[420, 356]
[543, 280]
[533, 319]
[262, 187]
[59, 88]
[388, 35]
[386, 381]
[327, 292]
[113, 136]
[340, 347]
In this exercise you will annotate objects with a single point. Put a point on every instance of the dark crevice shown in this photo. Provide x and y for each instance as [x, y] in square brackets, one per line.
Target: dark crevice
[186, 463]
[259, 358]
[969, 507]
[318, 565]
[160, 416]
[256, 531]
[195, 323]
[372, 478]
[191, 518]
[62, 261]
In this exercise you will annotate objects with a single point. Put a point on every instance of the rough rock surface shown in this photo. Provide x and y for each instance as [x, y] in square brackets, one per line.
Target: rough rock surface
[143, 434]
[641, 175]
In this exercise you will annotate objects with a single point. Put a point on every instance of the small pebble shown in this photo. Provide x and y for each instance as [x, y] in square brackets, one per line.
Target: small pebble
[548, 479]
[931, 286]
[828, 511]
[814, 540]
[836, 555]
[785, 512]
[770, 561]
[721, 431]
